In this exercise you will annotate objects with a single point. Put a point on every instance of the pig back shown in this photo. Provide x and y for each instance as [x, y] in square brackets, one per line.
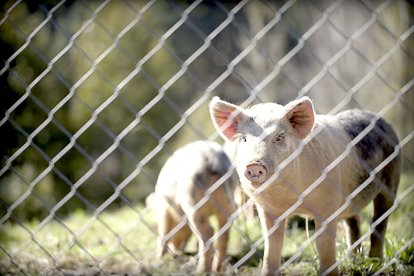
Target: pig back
[378, 142]
[190, 169]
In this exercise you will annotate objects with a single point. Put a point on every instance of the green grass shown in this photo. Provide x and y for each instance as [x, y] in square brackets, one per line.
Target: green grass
[124, 241]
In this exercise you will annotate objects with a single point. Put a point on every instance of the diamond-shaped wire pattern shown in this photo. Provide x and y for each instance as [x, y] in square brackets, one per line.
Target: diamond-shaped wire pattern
[96, 95]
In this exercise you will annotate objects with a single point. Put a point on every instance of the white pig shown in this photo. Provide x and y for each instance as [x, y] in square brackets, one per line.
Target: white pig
[182, 189]
[269, 133]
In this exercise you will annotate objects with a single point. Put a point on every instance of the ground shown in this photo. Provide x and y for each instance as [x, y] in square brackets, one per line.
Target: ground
[123, 241]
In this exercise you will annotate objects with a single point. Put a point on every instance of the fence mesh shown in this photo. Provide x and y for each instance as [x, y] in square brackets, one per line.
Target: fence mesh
[96, 95]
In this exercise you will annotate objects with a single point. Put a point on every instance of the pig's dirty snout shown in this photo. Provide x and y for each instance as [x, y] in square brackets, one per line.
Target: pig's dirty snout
[256, 173]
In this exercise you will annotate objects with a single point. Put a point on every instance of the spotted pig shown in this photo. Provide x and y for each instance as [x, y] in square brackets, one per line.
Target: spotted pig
[326, 165]
[185, 188]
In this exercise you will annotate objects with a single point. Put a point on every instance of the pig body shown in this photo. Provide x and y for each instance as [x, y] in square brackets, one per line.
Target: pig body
[324, 177]
[182, 183]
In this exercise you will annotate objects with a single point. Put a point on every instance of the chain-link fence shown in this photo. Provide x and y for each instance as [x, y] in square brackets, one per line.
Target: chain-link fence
[97, 95]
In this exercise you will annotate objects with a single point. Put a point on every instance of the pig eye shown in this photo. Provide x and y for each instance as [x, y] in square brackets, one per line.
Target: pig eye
[243, 139]
[279, 138]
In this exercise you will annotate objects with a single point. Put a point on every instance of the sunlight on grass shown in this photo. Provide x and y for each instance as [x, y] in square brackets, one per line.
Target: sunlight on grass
[124, 241]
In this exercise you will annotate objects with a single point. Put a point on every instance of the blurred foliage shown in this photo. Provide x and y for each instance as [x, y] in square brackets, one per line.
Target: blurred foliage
[49, 81]
[93, 71]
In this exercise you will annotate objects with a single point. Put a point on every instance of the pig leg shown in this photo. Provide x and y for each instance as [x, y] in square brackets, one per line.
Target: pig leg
[165, 223]
[180, 239]
[354, 231]
[273, 241]
[222, 242]
[390, 177]
[204, 232]
[382, 203]
[224, 209]
[325, 244]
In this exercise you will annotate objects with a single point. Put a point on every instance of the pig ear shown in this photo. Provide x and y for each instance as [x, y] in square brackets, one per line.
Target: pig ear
[301, 116]
[226, 117]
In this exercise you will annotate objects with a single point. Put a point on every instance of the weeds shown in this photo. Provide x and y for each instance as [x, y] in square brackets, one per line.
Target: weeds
[123, 242]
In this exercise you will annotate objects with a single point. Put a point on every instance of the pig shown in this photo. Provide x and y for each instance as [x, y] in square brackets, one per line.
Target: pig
[184, 182]
[267, 134]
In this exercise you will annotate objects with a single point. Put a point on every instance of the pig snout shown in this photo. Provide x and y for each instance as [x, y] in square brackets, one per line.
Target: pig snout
[256, 172]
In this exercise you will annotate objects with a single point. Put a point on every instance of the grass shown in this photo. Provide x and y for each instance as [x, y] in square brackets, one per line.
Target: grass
[123, 242]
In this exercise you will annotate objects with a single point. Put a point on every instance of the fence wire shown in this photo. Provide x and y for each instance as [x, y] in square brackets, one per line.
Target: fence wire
[96, 95]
